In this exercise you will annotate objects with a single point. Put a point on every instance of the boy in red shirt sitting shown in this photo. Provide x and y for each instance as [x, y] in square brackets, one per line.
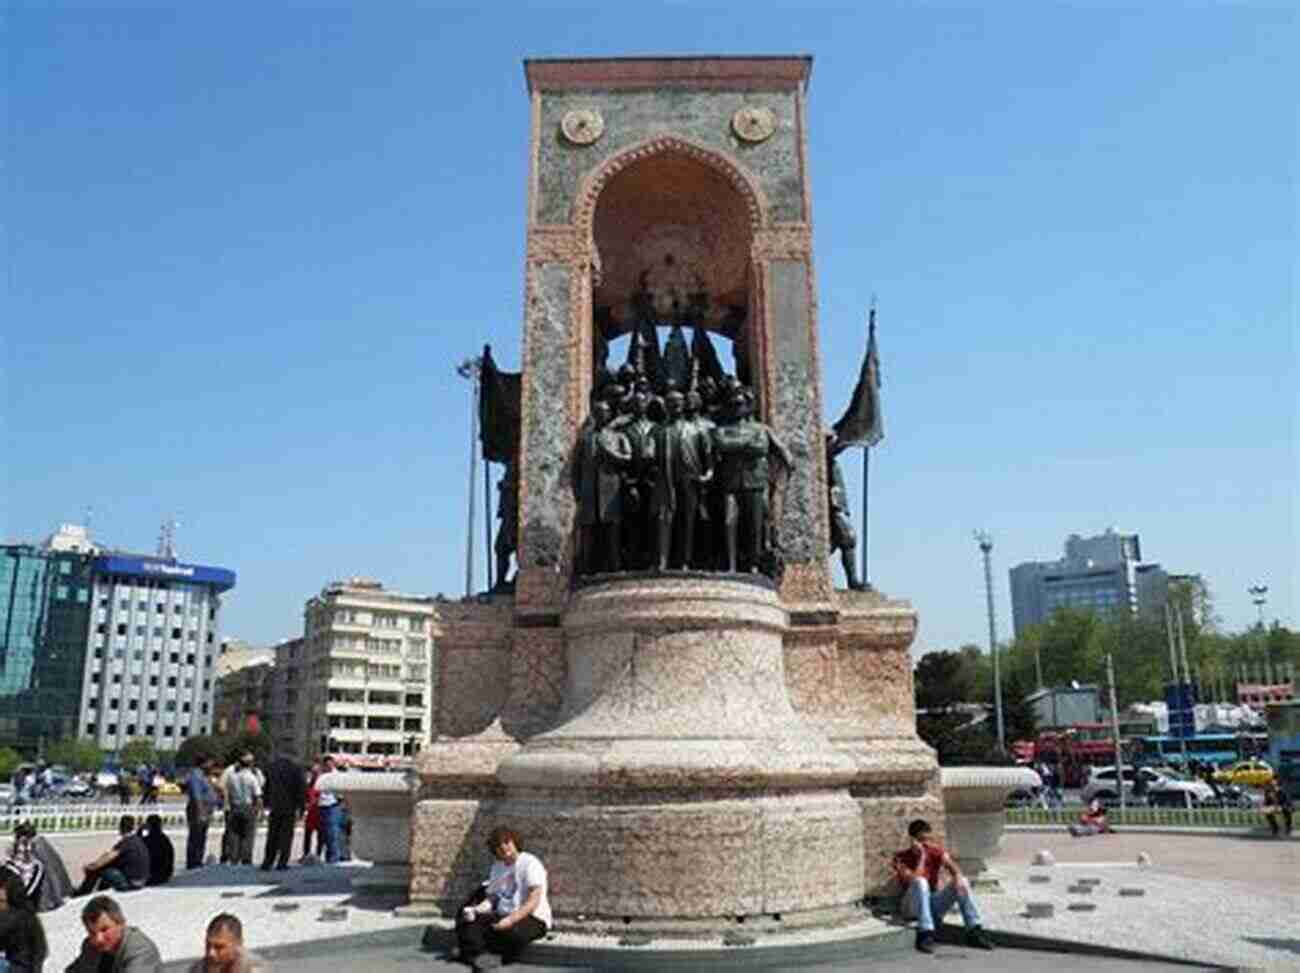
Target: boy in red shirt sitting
[925, 898]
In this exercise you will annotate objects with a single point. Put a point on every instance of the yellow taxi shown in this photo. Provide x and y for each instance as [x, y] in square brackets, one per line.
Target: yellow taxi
[1245, 773]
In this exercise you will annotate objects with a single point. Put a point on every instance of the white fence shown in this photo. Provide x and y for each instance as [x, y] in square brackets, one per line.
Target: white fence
[92, 817]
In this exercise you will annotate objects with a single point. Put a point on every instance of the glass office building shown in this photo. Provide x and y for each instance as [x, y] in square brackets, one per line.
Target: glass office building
[45, 602]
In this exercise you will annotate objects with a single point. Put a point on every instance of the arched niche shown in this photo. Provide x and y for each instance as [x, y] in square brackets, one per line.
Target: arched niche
[671, 225]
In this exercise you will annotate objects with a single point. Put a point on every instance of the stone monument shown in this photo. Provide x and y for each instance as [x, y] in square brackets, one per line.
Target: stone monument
[686, 735]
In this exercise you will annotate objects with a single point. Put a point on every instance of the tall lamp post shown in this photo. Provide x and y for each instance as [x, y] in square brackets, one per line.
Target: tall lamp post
[471, 368]
[986, 548]
[1259, 595]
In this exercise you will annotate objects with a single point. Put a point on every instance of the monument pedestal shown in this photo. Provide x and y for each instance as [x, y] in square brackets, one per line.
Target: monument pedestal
[853, 680]
[680, 785]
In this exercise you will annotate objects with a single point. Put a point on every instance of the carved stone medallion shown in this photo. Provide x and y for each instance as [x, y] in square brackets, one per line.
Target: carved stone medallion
[582, 126]
[753, 123]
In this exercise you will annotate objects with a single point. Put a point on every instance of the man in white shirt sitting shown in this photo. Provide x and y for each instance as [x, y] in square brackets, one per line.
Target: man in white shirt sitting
[509, 910]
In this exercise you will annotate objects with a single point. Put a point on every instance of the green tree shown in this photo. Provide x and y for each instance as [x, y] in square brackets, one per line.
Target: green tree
[77, 755]
[198, 749]
[138, 752]
[9, 761]
[943, 679]
[1019, 719]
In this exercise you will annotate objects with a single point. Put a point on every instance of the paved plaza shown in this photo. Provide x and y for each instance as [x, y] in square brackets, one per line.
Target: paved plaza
[1218, 900]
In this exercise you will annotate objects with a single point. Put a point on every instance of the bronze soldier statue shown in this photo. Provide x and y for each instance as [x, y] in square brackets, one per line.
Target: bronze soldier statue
[743, 447]
[638, 483]
[508, 532]
[599, 459]
[843, 537]
[684, 467]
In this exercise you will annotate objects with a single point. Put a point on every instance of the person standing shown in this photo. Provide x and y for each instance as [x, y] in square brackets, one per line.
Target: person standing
[200, 801]
[919, 869]
[311, 817]
[1277, 804]
[285, 799]
[330, 815]
[244, 801]
[112, 945]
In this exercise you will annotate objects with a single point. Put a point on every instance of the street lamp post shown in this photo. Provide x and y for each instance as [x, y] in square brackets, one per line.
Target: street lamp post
[1259, 595]
[986, 548]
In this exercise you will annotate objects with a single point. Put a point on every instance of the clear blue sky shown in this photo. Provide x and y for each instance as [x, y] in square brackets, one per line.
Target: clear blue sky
[248, 242]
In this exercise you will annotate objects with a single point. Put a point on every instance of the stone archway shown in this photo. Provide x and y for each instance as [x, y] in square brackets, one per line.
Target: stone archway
[677, 220]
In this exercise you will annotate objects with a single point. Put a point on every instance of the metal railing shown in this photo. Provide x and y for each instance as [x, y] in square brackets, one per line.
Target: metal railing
[1152, 817]
[91, 817]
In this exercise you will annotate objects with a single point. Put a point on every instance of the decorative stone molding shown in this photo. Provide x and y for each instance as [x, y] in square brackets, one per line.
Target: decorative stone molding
[753, 123]
[973, 800]
[582, 126]
[784, 241]
[585, 205]
[552, 243]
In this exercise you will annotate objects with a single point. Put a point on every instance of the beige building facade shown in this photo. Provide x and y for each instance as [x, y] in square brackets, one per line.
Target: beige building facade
[366, 663]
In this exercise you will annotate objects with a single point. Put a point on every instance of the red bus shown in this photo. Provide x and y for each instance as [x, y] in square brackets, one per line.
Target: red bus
[1071, 751]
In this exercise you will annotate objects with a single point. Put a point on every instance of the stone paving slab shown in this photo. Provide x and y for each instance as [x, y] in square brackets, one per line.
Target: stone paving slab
[1197, 920]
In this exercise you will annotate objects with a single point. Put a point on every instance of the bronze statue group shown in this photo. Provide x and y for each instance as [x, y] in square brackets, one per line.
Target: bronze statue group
[681, 479]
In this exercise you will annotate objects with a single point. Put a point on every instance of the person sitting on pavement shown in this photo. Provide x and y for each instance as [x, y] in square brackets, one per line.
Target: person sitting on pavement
[508, 911]
[224, 951]
[56, 886]
[22, 937]
[1092, 821]
[22, 860]
[1277, 803]
[121, 868]
[926, 898]
[112, 945]
[162, 856]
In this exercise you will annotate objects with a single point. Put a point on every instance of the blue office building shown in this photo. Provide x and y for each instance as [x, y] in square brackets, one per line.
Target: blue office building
[151, 648]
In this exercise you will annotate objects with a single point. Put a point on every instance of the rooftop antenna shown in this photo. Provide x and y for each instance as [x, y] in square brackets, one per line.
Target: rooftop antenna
[167, 539]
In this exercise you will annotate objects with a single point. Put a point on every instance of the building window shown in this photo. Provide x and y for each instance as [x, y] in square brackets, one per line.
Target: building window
[112, 729]
[142, 605]
[112, 704]
[167, 731]
[152, 707]
[130, 730]
[133, 704]
[117, 679]
[149, 731]
[209, 638]
[90, 729]
[121, 628]
[153, 680]
[176, 633]
[177, 609]
[94, 677]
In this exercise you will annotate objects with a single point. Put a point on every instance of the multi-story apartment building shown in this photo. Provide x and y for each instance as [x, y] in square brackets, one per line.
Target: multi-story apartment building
[239, 694]
[285, 715]
[367, 657]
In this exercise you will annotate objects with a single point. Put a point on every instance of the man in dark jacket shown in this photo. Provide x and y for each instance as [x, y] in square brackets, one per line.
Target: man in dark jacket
[285, 797]
[162, 854]
[123, 867]
[111, 945]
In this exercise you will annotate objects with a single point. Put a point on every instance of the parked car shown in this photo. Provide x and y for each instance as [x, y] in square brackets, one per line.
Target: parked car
[106, 780]
[1245, 773]
[77, 787]
[169, 788]
[1163, 787]
[7, 795]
